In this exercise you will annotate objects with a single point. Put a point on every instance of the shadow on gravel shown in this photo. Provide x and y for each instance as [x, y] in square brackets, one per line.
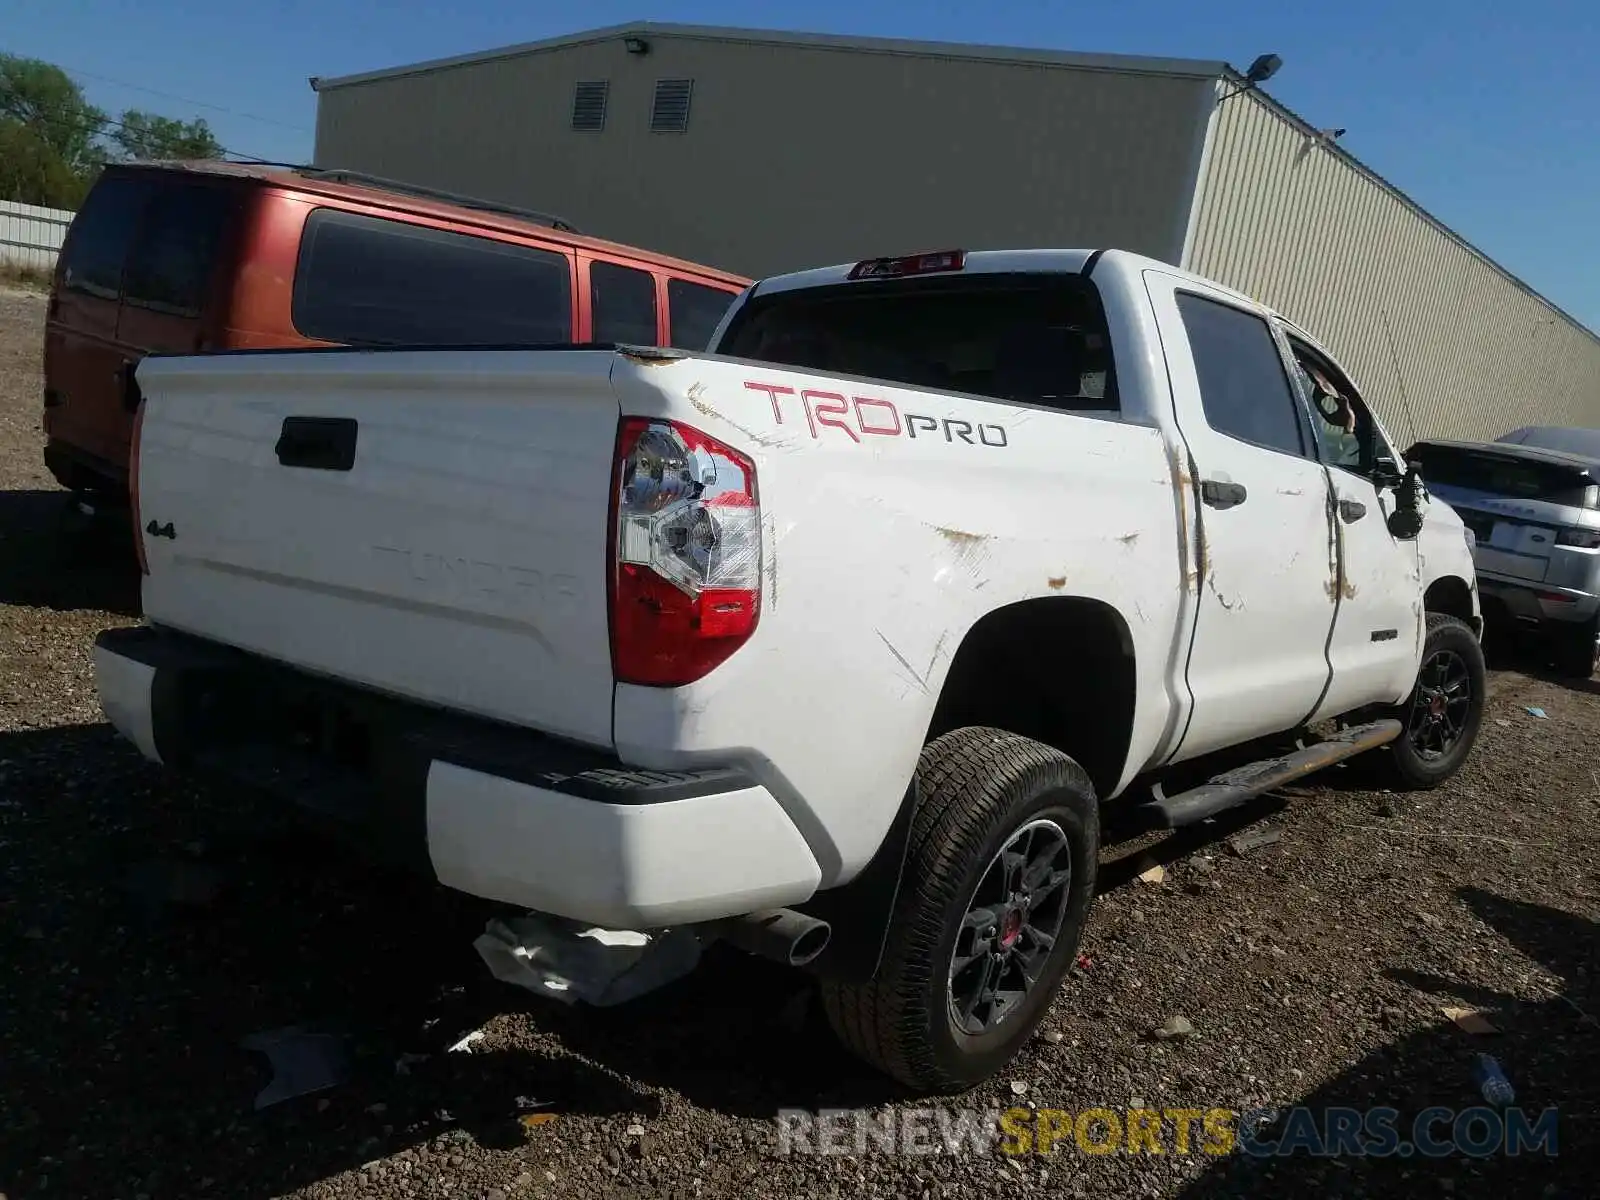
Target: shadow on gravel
[148, 926]
[54, 556]
[1507, 647]
[1549, 1050]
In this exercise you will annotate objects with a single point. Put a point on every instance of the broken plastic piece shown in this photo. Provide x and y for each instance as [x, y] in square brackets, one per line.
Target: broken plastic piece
[302, 1062]
[1534, 711]
[464, 1046]
[568, 961]
[1246, 842]
[1155, 874]
[1470, 1020]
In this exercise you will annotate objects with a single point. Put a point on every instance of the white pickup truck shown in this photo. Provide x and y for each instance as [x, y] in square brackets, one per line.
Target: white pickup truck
[830, 642]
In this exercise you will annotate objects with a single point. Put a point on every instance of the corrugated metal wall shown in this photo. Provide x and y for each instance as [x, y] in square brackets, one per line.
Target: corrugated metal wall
[30, 236]
[795, 156]
[1283, 217]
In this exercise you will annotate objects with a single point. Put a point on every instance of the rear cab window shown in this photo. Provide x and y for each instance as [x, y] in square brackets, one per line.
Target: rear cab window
[371, 281]
[1033, 339]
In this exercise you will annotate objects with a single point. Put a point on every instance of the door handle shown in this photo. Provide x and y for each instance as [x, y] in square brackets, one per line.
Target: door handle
[1218, 494]
[1352, 510]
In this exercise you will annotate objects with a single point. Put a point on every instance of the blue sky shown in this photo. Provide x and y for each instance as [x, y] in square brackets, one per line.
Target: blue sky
[1488, 116]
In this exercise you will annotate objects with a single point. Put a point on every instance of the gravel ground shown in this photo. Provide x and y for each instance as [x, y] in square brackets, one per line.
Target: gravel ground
[149, 925]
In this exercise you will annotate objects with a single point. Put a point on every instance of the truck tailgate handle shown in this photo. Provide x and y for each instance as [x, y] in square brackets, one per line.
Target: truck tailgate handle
[318, 443]
[1218, 494]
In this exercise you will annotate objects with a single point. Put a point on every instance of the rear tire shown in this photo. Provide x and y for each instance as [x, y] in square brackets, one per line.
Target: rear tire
[1442, 715]
[981, 792]
[1574, 649]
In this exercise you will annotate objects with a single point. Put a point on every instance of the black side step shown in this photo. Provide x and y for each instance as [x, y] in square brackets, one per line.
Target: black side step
[1251, 780]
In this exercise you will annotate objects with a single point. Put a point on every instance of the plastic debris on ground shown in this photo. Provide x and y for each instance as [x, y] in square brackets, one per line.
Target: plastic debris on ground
[1534, 711]
[1153, 874]
[302, 1062]
[1246, 842]
[569, 961]
[464, 1046]
[1470, 1020]
[1492, 1083]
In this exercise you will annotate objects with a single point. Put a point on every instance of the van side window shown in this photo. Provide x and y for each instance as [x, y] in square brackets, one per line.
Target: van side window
[176, 250]
[101, 233]
[1244, 389]
[368, 281]
[695, 311]
[622, 305]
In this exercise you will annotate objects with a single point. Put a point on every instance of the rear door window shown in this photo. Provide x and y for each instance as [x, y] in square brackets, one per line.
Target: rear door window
[695, 311]
[374, 282]
[175, 251]
[101, 235]
[1244, 389]
[622, 305]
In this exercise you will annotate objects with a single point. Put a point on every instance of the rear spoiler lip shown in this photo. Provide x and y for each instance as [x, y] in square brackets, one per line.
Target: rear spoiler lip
[1588, 472]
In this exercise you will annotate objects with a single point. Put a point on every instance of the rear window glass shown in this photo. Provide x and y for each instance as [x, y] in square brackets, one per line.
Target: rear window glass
[622, 304]
[367, 281]
[1513, 479]
[695, 312]
[176, 248]
[1033, 339]
[101, 234]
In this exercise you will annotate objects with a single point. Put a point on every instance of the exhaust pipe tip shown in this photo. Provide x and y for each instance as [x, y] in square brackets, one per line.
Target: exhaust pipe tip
[779, 934]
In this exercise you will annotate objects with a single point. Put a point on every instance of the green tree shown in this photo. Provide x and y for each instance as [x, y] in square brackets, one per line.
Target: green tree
[145, 136]
[45, 99]
[31, 171]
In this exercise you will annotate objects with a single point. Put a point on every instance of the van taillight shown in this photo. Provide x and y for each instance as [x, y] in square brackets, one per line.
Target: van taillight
[133, 488]
[686, 540]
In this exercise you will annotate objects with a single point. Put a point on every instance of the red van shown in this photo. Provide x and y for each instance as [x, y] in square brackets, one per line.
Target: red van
[192, 257]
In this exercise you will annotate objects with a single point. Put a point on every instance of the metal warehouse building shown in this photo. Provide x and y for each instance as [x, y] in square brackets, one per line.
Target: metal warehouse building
[763, 152]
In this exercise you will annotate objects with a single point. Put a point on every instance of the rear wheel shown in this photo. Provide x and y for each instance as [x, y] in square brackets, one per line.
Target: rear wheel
[1442, 715]
[998, 881]
[1575, 650]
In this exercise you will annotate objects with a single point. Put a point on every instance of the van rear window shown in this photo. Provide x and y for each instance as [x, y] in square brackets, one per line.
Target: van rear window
[1037, 339]
[368, 281]
[101, 234]
[695, 311]
[175, 251]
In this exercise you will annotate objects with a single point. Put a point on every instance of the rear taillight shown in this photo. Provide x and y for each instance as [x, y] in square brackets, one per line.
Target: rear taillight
[1583, 539]
[686, 535]
[133, 489]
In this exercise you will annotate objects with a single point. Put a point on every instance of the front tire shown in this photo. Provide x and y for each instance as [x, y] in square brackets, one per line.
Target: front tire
[1442, 715]
[999, 876]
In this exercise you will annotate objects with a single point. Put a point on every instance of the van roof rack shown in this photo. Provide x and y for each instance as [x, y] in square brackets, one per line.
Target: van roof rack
[339, 175]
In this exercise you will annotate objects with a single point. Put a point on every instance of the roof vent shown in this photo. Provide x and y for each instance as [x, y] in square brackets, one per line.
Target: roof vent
[589, 106]
[670, 113]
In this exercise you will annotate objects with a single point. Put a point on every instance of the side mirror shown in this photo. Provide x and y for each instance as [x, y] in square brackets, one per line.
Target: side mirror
[1386, 473]
[1405, 522]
